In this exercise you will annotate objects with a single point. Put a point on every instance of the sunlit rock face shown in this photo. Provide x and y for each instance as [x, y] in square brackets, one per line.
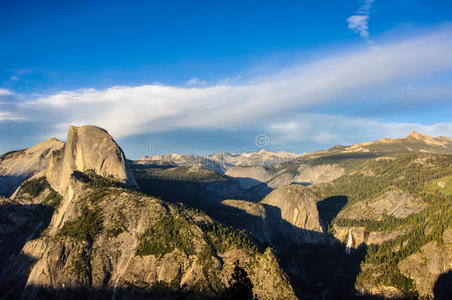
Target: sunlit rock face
[292, 214]
[17, 166]
[88, 148]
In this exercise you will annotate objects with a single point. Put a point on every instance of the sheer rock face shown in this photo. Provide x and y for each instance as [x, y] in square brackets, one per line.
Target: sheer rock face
[18, 166]
[292, 214]
[87, 148]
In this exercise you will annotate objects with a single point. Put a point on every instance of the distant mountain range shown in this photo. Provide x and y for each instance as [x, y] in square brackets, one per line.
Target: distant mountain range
[223, 161]
[414, 142]
[372, 220]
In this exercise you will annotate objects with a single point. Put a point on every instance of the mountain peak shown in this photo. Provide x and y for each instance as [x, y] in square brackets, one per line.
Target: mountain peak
[415, 134]
[87, 148]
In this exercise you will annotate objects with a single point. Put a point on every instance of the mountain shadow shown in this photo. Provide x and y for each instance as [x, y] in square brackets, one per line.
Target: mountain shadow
[18, 225]
[8, 184]
[443, 286]
[329, 207]
[160, 291]
[315, 262]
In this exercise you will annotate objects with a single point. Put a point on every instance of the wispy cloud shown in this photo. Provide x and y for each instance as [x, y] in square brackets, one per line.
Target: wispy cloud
[195, 82]
[5, 92]
[274, 102]
[358, 23]
[324, 129]
[8, 116]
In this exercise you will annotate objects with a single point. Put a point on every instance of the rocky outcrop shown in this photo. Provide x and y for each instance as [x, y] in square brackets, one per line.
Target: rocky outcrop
[17, 166]
[118, 243]
[245, 214]
[397, 203]
[250, 176]
[292, 214]
[425, 266]
[359, 236]
[305, 174]
[308, 174]
[87, 148]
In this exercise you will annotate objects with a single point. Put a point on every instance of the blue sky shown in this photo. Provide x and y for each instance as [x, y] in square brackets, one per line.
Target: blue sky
[209, 76]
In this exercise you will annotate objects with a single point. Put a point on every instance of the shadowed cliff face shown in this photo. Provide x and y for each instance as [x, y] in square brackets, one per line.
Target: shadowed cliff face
[293, 204]
[443, 286]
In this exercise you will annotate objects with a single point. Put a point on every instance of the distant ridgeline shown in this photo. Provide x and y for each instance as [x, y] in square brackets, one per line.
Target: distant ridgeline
[82, 221]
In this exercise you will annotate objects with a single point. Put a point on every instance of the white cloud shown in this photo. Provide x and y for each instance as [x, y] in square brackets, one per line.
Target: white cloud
[4, 92]
[195, 82]
[358, 23]
[349, 77]
[345, 130]
[8, 116]
[365, 8]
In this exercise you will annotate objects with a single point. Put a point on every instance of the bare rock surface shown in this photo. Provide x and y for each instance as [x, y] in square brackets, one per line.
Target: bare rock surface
[425, 266]
[17, 166]
[87, 148]
[360, 236]
[250, 176]
[292, 213]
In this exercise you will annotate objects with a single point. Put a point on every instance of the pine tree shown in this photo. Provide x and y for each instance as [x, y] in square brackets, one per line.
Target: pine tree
[240, 286]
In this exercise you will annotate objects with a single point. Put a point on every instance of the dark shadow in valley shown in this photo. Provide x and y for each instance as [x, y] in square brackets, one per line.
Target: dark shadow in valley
[316, 263]
[18, 225]
[443, 287]
[329, 207]
[160, 291]
[150, 166]
[200, 195]
[8, 184]
[302, 183]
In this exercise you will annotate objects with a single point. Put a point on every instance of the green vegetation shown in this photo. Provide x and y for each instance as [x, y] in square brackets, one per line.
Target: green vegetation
[80, 265]
[417, 174]
[90, 221]
[34, 187]
[96, 181]
[442, 186]
[183, 174]
[117, 221]
[222, 238]
[85, 227]
[53, 199]
[402, 173]
[166, 235]
[240, 286]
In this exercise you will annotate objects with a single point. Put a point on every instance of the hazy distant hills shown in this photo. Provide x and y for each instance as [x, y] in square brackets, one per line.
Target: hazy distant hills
[368, 220]
[222, 161]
